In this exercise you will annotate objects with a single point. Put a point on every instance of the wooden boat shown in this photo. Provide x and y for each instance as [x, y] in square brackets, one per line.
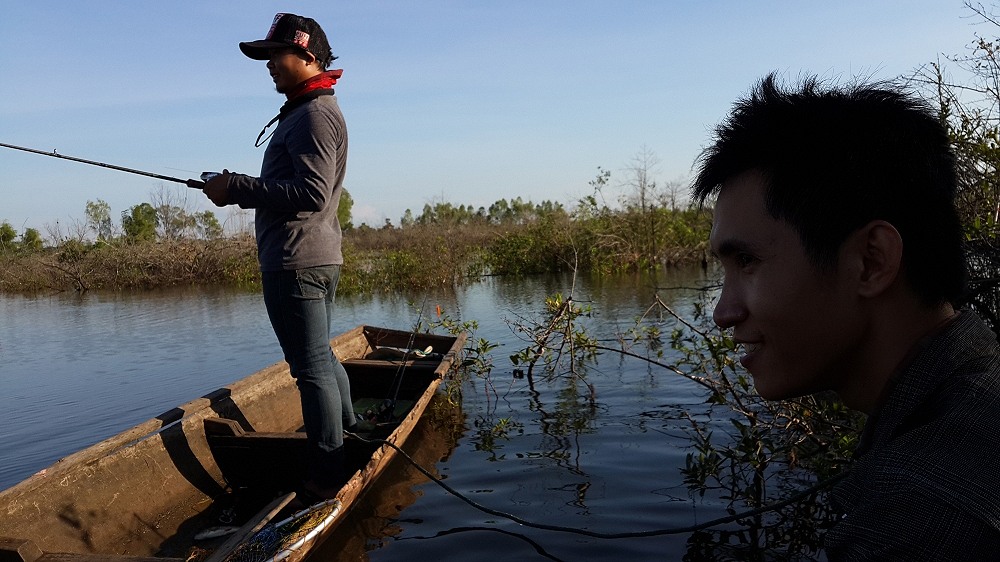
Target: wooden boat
[145, 494]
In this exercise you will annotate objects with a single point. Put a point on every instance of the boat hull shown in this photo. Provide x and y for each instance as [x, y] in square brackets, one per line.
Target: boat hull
[149, 490]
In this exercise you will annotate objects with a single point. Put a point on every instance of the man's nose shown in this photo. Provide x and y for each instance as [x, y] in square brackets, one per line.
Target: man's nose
[729, 310]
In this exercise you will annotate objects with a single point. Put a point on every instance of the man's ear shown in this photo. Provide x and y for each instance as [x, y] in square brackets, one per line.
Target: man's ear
[880, 249]
[308, 57]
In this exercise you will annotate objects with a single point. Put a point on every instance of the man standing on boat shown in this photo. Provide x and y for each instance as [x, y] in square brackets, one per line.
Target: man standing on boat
[298, 234]
[836, 227]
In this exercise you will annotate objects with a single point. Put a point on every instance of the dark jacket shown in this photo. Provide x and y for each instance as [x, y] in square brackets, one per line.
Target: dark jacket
[298, 192]
[926, 482]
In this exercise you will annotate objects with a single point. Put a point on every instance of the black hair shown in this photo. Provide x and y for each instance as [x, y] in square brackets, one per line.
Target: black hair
[836, 159]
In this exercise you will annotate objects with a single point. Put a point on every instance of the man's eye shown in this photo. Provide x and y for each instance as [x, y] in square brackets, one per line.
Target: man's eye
[744, 260]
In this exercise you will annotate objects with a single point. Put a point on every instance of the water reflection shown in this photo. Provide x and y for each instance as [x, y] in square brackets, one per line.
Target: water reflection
[374, 520]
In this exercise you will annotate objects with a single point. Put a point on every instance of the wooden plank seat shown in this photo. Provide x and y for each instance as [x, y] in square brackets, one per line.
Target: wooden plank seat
[252, 459]
[277, 460]
[410, 365]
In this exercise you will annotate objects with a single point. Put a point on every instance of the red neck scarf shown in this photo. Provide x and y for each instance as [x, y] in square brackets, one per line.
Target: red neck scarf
[323, 80]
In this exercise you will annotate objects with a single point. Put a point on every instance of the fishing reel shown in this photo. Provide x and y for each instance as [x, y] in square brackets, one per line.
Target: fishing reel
[207, 176]
[381, 413]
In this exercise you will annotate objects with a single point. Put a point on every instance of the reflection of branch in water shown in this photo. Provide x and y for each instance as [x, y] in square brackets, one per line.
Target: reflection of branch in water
[538, 548]
[556, 428]
[796, 498]
[579, 495]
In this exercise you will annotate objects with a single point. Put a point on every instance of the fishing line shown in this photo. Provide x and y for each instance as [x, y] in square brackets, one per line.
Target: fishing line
[812, 490]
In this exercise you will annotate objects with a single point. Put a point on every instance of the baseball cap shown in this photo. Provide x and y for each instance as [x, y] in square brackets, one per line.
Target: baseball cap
[290, 30]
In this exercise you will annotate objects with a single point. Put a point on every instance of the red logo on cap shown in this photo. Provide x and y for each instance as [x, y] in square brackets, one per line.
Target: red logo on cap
[301, 39]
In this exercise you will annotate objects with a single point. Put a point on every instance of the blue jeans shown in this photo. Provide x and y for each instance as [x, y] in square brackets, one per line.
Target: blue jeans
[300, 306]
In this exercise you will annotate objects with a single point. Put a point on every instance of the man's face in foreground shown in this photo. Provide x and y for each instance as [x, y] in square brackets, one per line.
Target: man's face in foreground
[798, 325]
[288, 67]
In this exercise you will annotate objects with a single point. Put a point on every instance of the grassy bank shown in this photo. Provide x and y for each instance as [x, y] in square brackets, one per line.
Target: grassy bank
[418, 255]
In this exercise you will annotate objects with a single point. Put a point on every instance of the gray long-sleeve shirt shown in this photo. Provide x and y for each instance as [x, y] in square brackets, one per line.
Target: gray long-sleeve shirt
[298, 192]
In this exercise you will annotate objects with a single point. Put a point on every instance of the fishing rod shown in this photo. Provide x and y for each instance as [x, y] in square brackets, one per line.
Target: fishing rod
[190, 183]
[384, 411]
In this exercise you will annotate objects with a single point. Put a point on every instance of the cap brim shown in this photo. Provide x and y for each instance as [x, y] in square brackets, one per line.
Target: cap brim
[260, 50]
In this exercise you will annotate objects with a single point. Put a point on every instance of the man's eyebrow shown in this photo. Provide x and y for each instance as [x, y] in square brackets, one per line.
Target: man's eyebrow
[730, 247]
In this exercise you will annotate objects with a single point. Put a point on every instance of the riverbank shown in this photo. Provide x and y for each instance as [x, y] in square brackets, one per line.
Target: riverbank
[377, 260]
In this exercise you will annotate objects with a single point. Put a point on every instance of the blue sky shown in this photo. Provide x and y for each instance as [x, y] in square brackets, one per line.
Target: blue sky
[462, 101]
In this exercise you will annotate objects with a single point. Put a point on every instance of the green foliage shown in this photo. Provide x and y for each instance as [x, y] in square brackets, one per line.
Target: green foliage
[207, 225]
[443, 214]
[99, 218]
[7, 236]
[344, 210]
[174, 222]
[968, 108]
[477, 360]
[390, 259]
[558, 342]
[407, 219]
[391, 269]
[445, 244]
[241, 270]
[78, 265]
[72, 251]
[568, 416]
[743, 449]
[597, 238]
[490, 432]
[139, 223]
[502, 212]
[31, 240]
[522, 252]
[149, 221]
[650, 234]
[521, 212]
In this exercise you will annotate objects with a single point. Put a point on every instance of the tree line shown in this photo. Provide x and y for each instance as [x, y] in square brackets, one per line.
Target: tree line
[166, 217]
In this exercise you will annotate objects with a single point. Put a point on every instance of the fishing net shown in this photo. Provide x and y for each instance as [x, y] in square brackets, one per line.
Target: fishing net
[278, 541]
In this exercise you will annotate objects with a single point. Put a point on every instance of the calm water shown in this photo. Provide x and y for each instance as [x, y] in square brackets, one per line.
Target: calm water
[75, 369]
